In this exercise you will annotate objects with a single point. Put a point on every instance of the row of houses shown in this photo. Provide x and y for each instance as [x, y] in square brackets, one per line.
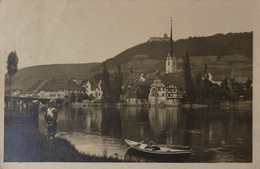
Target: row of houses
[61, 88]
[159, 93]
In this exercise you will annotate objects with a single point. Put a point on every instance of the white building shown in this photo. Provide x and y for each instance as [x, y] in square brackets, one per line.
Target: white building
[94, 89]
[157, 93]
[171, 64]
[171, 61]
[141, 78]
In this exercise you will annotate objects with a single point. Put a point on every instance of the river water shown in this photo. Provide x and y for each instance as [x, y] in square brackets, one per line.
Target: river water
[220, 134]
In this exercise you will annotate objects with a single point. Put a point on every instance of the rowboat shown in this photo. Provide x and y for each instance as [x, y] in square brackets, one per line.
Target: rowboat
[156, 150]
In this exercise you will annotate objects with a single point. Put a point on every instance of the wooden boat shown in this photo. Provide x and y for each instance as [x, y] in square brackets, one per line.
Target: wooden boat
[155, 150]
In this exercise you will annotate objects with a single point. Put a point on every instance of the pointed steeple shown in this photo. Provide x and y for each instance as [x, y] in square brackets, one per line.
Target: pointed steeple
[171, 50]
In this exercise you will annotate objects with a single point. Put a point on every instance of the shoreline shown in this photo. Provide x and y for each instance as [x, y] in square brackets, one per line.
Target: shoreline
[24, 143]
[195, 106]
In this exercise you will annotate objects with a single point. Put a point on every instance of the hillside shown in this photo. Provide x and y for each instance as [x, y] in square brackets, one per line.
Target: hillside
[224, 54]
[26, 77]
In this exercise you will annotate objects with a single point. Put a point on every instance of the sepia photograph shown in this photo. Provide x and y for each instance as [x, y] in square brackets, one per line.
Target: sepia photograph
[127, 82]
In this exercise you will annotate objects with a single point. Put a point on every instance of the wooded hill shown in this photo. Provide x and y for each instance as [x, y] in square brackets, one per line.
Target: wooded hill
[224, 54]
[26, 77]
[216, 45]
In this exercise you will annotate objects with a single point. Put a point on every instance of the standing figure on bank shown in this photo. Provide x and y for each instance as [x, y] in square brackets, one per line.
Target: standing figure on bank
[51, 119]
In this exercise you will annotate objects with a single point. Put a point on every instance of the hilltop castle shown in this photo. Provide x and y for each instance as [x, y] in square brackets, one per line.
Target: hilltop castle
[159, 39]
[171, 61]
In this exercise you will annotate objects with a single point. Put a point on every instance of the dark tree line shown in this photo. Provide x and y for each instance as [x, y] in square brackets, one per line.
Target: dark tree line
[80, 97]
[199, 89]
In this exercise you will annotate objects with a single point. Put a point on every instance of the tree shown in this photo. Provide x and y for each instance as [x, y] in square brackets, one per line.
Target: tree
[118, 83]
[224, 84]
[143, 91]
[188, 84]
[80, 97]
[248, 83]
[249, 90]
[105, 83]
[12, 62]
[199, 88]
[73, 97]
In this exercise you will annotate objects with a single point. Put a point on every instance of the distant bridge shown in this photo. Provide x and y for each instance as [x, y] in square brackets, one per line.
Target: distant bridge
[31, 99]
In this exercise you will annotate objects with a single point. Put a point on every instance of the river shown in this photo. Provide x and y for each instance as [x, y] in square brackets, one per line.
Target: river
[222, 134]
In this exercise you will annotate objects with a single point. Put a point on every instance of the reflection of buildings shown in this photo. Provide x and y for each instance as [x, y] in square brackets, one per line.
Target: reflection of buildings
[164, 124]
[205, 130]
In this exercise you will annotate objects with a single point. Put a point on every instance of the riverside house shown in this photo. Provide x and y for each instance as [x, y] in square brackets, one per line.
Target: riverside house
[59, 88]
[94, 89]
[165, 95]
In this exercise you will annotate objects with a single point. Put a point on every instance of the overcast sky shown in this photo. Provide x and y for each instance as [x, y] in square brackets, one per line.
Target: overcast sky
[77, 31]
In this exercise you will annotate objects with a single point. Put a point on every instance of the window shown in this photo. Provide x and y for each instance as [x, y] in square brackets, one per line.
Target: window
[169, 63]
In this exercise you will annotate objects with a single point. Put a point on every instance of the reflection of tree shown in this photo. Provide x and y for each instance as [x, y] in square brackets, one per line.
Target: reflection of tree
[111, 124]
[135, 123]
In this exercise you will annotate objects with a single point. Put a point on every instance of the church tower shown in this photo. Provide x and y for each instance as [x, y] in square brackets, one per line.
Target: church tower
[171, 63]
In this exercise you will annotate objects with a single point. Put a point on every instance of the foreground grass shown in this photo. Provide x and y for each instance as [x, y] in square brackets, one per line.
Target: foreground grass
[24, 143]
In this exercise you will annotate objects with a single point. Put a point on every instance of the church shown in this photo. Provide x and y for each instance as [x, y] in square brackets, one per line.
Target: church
[171, 61]
[167, 91]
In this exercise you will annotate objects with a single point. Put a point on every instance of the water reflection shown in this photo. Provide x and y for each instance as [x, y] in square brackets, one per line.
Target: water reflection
[214, 134]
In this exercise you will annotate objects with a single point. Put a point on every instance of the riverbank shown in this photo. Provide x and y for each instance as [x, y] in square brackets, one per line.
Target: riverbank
[247, 103]
[24, 143]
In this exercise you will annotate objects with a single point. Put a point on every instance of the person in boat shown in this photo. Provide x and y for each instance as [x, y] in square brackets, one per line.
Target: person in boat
[51, 119]
[150, 143]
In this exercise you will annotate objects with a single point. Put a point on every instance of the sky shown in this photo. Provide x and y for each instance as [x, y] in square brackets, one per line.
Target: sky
[84, 31]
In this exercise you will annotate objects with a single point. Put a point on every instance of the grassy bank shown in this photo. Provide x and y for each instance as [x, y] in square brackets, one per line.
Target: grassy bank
[24, 143]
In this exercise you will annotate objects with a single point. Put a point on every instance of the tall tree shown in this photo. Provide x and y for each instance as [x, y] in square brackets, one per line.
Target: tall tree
[120, 79]
[118, 83]
[199, 88]
[12, 68]
[188, 84]
[105, 83]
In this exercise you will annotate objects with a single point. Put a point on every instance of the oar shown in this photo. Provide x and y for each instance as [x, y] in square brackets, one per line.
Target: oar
[130, 147]
[133, 145]
[173, 145]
